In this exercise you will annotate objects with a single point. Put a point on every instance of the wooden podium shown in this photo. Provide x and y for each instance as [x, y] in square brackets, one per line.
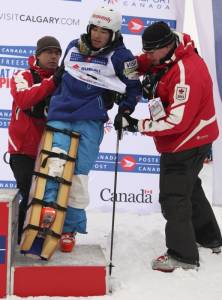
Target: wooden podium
[80, 273]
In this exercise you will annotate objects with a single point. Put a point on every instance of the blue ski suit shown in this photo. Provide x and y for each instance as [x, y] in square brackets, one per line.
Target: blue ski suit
[77, 105]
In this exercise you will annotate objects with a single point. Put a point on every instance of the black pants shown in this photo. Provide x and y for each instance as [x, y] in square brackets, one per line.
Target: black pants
[22, 167]
[189, 216]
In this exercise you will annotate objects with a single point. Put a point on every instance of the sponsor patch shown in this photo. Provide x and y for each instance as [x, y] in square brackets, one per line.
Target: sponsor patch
[99, 60]
[130, 67]
[181, 92]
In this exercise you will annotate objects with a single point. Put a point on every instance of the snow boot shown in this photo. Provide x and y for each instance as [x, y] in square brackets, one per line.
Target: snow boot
[167, 263]
[215, 246]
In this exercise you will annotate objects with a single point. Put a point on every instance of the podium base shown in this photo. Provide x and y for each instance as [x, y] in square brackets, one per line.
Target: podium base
[80, 273]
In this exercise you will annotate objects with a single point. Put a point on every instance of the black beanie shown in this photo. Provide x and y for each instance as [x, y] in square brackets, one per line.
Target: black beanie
[156, 36]
[47, 42]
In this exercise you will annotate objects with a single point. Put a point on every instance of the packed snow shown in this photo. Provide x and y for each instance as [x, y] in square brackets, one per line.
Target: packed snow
[137, 240]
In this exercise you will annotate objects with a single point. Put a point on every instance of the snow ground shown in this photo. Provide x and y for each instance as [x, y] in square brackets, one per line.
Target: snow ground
[139, 239]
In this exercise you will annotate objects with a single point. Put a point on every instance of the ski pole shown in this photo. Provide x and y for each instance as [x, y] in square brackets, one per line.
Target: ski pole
[119, 136]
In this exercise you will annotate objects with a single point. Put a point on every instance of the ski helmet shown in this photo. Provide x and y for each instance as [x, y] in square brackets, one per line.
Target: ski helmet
[106, 18]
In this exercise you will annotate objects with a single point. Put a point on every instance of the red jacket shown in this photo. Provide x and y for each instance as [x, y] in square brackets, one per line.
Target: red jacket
[25, 131]
[186, 92]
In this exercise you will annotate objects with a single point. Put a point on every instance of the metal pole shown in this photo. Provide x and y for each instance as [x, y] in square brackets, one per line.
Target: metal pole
[119, 135]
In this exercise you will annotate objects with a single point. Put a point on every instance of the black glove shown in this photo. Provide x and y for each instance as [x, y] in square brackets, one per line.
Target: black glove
[124, 121]
[57, 77]
[110, 97]
[133, 123]
[118, 121]
[148, 83]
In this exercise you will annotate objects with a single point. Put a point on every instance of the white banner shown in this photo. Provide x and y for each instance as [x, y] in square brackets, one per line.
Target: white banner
[209, 24]
[23, 23]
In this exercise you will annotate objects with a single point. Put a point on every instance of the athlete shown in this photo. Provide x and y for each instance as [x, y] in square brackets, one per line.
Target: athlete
[95, 64]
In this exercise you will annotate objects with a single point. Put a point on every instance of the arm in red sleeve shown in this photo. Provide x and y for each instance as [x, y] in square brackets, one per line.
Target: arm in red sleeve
[143, 63]
[25, 93]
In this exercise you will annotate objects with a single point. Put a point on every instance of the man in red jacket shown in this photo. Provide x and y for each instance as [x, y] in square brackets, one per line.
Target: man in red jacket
[183, 123]
[31, 90]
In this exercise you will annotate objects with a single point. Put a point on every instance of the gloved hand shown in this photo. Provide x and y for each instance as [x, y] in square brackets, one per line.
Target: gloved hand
[132, 123]
[110, 97]
[57, 76]
[125, 121]
[118, 121]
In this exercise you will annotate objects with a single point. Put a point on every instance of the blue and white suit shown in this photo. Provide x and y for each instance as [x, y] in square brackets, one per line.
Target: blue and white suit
[77, 105]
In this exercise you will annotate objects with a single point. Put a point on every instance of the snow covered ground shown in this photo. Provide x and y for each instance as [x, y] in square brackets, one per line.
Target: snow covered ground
[139, 239]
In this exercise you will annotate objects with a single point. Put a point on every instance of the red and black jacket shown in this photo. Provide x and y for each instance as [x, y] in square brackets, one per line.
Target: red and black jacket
[28, 121]
[186, 91]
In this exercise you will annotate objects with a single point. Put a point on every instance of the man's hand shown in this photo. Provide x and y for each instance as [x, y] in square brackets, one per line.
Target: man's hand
[57, 77]
[125, 121]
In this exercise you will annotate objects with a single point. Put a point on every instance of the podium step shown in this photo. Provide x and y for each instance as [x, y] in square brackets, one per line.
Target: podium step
[80, 273]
